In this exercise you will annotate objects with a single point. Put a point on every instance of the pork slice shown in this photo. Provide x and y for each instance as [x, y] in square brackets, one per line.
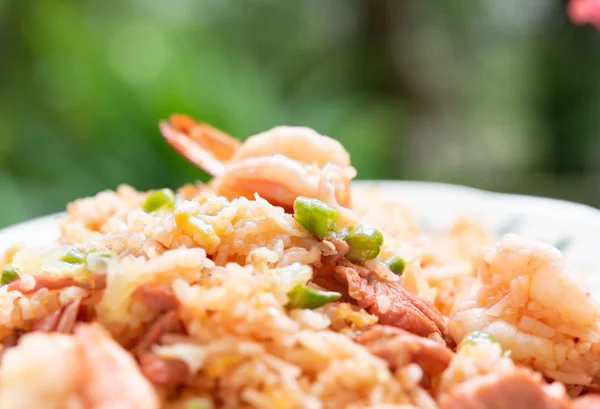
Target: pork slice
[62, 320]
[400, 348]
[68, 318]
[59, 283]
[163, 371]
[168, 323]
[391, 303]
[341, 249]
[156, 297]
[47, 323]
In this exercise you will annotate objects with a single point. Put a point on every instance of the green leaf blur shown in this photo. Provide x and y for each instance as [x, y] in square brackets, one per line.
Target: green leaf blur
[493, 94]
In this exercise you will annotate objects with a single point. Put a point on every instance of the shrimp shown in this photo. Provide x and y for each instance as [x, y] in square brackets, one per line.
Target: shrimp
[296, 142]
[526, 298]
[41, 372]
[112, 377]
[89, 369]
[279, 164]
[482, 375]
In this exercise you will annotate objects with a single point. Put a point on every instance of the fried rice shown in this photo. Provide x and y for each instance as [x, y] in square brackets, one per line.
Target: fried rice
[225, 296]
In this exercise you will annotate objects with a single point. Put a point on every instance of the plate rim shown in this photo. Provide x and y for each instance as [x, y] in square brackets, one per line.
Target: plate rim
[484, 192]
[551, 206]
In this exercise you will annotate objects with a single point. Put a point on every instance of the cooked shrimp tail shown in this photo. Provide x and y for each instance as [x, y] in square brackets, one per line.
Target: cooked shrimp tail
[191, 150]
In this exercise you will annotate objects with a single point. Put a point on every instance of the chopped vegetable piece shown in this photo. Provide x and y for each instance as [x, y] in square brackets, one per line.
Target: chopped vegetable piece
[476, 337]
[100, 253]
[365, 243]
[198, 404]
[303, 296]
[9, 274]
[74, 256]
[188, 220]
[316, 216]
[396, 264]
[96, 260]
[164, 198]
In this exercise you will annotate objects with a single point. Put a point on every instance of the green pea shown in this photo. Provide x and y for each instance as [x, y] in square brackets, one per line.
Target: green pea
[396, 264]
[74, 256]
[9, 274]
[303, 296]
[160, 199]
[477, 337]
[364, 241]
[316, 216]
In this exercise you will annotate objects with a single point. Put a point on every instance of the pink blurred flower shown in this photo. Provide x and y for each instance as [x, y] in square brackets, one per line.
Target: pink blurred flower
[585, 12]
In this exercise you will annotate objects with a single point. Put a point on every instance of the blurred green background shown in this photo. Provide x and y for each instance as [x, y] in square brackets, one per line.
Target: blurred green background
[496, 94]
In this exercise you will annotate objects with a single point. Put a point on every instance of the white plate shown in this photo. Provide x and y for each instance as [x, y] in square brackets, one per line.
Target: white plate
[572, 227]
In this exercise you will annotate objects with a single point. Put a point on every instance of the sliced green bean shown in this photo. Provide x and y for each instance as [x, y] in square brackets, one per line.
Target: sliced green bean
[96, 260]
[365, 243]
[160, 199]
[9, 274]
[303, 296]
[316, 216]
[74, 256]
